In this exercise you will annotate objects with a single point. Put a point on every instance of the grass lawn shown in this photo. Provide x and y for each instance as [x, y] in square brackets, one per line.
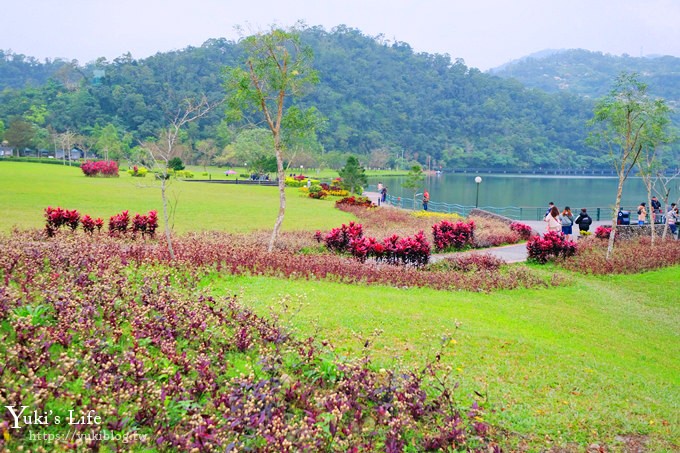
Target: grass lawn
[578, 364]
[26, 189]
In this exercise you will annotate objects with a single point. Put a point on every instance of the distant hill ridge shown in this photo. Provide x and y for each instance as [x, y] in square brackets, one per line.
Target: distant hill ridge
[590, 74]
[376, 97]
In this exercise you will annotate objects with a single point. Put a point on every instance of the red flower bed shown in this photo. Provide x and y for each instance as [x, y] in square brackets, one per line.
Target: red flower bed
[449, 235]
[100, 168]
[118, 224]
[392, 250]
[551, 246]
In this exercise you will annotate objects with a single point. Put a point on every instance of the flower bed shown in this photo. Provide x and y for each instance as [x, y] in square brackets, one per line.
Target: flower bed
[100, 168]
[107, 328]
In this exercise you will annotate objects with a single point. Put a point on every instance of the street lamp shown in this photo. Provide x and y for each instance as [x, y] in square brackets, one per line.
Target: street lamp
[478, 180]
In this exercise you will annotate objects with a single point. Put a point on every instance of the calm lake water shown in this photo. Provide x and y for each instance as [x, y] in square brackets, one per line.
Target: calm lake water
[526, 191]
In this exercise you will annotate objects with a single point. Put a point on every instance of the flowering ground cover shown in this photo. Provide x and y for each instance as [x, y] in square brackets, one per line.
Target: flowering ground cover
[147, 360]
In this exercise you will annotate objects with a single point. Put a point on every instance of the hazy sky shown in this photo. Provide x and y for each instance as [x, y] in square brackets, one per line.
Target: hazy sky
[485, 33]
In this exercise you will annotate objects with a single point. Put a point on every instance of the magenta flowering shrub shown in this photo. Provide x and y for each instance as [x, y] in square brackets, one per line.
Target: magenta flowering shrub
[108, 326]
[603, 232]
[522, 229]
[449, 235]
[100, 168]
[549, 247]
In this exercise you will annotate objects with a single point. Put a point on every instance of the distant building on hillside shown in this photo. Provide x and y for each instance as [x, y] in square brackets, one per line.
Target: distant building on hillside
[75, 154]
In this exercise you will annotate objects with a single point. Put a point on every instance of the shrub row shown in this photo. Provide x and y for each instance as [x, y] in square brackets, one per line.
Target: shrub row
[100, 168]
[145, 225]
[392, 250]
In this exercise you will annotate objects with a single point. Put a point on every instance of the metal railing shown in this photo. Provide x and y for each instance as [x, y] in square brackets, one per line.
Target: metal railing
[512, 212]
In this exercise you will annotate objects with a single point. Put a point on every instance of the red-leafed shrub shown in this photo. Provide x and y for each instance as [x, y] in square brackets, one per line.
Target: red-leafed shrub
[55, 218]
[449, 235]
[603, 232]
[338, 239]
[99, 224]
[355, 201]
[522, 229]
[88, 224]
[118, 224]
[393, 250]
[551, 246]
[100, 168]
[145, 224]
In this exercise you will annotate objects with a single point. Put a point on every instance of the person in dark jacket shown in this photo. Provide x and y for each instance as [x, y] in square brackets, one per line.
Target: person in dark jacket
[583, 220]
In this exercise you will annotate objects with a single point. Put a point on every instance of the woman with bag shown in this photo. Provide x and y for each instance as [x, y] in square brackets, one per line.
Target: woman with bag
[554, 223]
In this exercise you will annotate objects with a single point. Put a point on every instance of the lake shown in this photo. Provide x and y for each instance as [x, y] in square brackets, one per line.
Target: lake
[528, 191]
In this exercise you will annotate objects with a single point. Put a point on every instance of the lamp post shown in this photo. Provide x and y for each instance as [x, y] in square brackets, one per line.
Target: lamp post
[478, 180]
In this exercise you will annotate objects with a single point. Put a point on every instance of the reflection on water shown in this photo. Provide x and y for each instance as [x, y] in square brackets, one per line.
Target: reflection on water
[523, 190]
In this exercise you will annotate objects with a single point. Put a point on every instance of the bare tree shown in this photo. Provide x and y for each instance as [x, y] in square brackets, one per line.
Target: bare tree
[160, 152]
[67, 140]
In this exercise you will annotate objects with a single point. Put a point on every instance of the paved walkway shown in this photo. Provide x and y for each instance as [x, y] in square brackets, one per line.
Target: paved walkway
[514, 253]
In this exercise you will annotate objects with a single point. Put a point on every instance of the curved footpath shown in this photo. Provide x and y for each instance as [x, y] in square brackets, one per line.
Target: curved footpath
[514, 253]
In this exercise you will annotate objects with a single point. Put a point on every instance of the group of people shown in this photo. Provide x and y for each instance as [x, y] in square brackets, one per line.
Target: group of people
[565, 221]
[671, 217]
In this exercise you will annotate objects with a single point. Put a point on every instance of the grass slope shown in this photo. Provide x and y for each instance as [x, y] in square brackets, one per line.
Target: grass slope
[581, 364]
[26, 189]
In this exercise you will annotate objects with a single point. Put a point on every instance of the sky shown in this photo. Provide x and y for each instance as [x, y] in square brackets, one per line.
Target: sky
[484, 33]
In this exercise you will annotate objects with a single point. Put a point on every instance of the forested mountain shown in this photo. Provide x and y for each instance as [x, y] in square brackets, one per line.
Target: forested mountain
[591, 73]
[379, 99]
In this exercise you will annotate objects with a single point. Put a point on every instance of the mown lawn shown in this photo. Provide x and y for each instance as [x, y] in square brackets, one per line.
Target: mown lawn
[592, 362]
[26, 189]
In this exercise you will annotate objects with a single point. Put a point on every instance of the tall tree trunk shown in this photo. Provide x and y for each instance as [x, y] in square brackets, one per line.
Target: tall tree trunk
[619, 192]
[282, 197]
[168, 236]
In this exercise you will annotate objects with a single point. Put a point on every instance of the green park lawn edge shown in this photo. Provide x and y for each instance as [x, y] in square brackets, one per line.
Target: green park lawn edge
[591, 362]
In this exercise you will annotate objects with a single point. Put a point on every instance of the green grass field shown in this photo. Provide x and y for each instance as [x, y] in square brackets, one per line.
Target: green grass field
[595, 361]
[583, 363]
[26, 189]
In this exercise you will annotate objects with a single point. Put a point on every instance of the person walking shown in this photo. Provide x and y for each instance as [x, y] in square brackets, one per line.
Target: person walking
[642, 213]
[553, 220]
[426, 200]
[583, 221]
[383, 195]
[672, 218]
[550, 206]
[380, 188]
[567, 221]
